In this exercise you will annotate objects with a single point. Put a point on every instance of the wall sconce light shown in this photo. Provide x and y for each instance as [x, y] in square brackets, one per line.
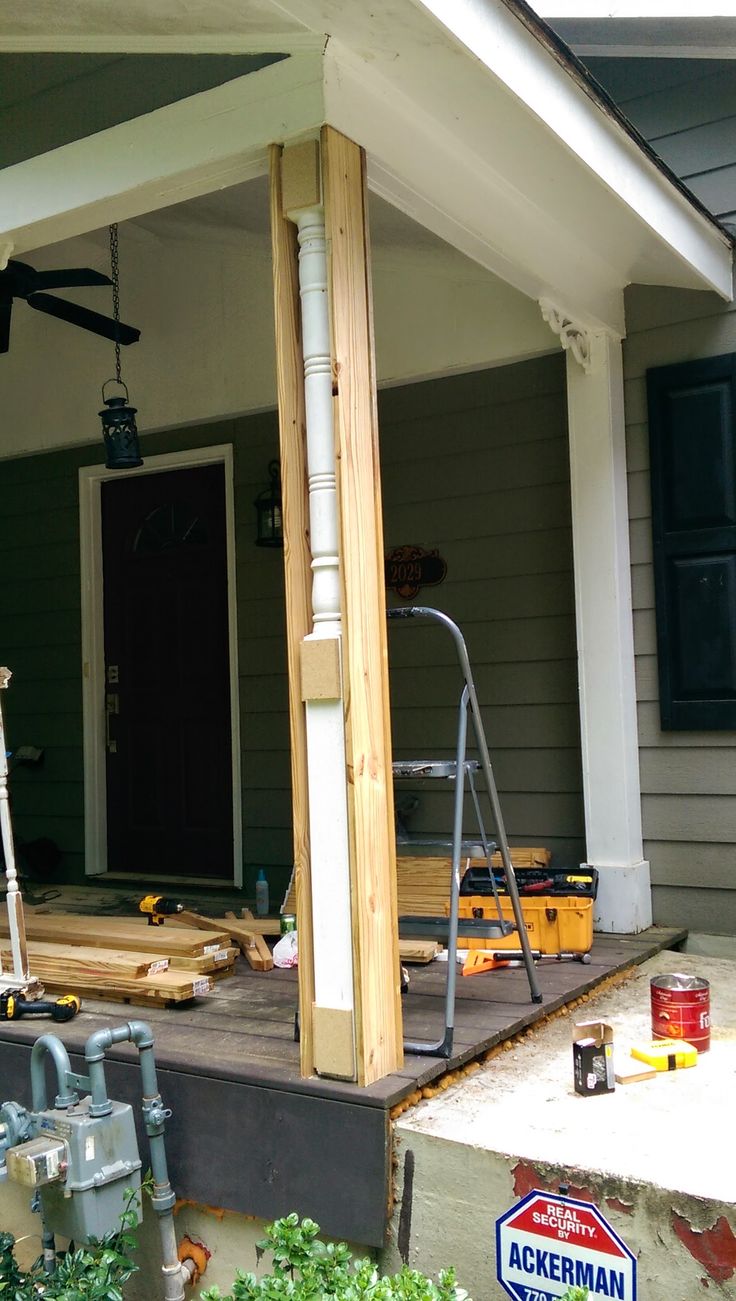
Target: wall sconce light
[268, 511]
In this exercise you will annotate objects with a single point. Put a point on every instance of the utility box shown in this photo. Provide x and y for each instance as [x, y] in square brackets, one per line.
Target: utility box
[102, 1167]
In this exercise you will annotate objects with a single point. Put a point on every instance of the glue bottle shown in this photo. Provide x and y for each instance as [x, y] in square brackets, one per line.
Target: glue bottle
[261, 894]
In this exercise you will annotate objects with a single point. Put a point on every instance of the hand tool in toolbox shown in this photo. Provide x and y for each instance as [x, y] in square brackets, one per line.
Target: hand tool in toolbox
[158, 907]
[534, 880]
[13, 1006]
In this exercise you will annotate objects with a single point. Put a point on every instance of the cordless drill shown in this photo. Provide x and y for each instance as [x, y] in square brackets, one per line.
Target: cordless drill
[13, 1006]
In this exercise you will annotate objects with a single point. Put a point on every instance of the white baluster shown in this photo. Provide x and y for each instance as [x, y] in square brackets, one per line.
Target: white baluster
[19, 952]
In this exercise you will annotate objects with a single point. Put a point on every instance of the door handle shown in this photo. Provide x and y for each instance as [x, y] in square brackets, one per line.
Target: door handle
[112, 706]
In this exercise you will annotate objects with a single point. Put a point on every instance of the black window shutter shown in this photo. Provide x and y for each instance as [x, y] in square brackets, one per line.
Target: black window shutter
[692, 432]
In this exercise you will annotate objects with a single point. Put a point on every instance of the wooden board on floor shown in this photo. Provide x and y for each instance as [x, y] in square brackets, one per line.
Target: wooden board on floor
[58, 960]
[117, 933]
[167, 986]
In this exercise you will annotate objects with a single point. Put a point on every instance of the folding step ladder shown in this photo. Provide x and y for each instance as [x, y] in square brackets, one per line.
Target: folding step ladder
[463, 771]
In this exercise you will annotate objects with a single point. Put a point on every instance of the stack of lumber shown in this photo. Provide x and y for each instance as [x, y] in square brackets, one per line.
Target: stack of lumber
[114, 958]
[424, 883]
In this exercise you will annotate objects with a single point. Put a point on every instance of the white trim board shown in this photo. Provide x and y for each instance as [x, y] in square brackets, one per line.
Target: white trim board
[91, 478]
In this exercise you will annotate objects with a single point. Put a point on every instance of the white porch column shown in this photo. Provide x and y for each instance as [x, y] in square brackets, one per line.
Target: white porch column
[605, 636]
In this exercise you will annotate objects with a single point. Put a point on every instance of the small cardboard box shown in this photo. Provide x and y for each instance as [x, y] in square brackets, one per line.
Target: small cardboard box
[592, 1054]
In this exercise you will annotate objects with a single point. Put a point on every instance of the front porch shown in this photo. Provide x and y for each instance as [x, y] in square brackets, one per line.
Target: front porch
[250, 1134]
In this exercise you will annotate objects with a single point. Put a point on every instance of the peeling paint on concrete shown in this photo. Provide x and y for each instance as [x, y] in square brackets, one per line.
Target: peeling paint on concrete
[714, 1248]
[403, 1239]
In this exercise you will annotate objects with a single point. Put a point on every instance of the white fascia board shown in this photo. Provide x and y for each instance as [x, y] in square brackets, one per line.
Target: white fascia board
[497, 38]
[195, 146]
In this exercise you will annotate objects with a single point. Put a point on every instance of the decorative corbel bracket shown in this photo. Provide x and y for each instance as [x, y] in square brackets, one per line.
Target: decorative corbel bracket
[6, 252]
[572, 336]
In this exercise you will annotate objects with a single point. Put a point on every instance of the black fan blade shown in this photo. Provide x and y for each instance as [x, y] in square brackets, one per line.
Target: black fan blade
[67, 279]
[82, 316]
[6, 307]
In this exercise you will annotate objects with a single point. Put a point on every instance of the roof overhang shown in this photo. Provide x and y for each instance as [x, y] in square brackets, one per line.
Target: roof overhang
[662, 29]
[473, 125]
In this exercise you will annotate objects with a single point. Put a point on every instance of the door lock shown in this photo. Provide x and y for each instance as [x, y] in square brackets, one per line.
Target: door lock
[112, 706]
[113, 675]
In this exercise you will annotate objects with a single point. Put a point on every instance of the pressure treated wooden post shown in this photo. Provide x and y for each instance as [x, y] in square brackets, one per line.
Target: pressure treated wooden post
[336, 617]
[297, 572]
[377, 998]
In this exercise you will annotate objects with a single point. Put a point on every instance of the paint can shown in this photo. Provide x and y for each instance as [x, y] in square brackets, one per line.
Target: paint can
[288, 923]
[681, 1009]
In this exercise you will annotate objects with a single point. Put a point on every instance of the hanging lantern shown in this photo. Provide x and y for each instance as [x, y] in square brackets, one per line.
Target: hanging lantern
[268, 511]
[119, 430]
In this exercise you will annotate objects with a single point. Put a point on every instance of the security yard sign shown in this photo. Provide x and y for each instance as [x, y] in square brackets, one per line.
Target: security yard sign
[546, 1244]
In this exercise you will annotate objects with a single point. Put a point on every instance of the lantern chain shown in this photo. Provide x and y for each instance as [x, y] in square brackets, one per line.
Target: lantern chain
[115, 276]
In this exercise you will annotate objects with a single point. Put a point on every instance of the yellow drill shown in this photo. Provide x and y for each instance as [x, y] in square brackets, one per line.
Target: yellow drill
[158, 908]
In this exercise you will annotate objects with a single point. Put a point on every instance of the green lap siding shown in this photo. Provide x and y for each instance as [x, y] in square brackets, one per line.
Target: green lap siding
[475, 466]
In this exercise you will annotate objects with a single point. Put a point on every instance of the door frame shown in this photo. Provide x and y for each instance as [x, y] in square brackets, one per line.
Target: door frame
[91, 478]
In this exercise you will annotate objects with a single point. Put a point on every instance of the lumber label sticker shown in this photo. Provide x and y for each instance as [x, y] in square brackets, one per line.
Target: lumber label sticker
[547, 1244]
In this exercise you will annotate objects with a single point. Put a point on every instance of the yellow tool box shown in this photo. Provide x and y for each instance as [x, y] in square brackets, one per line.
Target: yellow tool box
[554, 923]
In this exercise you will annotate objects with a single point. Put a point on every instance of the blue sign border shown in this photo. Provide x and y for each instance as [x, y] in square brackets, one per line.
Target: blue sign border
[566, 1201]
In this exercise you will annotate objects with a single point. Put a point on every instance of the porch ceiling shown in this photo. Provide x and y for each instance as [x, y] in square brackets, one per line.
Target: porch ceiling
[473, 127]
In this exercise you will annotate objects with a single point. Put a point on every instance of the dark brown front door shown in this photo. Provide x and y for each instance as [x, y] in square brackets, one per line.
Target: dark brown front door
[167, 694]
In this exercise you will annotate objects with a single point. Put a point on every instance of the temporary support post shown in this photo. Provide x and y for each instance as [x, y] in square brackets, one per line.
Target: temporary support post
[378, 1021]
[297, 572]
[346, 884]
[608, 722]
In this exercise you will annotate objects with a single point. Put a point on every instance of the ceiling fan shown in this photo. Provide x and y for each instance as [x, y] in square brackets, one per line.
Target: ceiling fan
[19, 280]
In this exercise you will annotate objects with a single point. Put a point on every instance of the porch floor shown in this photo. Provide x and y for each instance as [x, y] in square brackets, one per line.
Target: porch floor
[249, 1134]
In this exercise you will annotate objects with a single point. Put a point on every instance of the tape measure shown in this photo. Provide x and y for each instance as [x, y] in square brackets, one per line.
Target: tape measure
[666, 1054]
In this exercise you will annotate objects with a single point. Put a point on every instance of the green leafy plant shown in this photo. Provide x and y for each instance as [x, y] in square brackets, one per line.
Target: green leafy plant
[307, 1269]
[96, 1272]
[575, 1294]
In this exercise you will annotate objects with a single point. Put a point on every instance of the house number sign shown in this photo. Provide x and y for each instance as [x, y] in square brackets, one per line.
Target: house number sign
[409, 568]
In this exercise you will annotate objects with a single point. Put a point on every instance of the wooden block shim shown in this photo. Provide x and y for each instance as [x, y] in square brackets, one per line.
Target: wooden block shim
[300, 177]
[320, 661]
[419, 951]
[334, 1046]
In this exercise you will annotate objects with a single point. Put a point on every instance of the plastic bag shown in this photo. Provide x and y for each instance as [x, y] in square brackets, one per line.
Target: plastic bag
[286, 951]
